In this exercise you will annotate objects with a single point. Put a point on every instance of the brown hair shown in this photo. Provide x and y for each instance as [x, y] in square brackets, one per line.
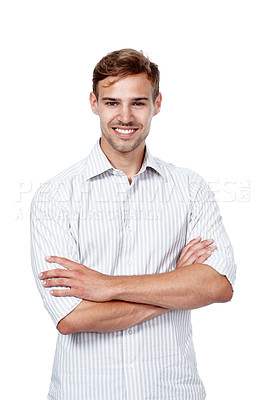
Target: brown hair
[125, 62]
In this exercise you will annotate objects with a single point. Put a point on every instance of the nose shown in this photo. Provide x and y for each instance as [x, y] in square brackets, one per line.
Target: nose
[125, 115]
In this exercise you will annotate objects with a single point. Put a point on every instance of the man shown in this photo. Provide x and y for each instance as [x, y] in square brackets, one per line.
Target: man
[124, 245]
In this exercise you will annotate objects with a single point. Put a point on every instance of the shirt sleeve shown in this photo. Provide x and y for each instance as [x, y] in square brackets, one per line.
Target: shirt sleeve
[205, 221]
[51, 235]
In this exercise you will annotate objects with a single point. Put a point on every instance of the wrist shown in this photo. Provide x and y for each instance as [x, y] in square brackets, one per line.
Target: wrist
[113, 288]
[117, 285]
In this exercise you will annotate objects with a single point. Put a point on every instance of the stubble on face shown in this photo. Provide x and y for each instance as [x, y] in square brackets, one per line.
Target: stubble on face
[122, 93]
[124, 145]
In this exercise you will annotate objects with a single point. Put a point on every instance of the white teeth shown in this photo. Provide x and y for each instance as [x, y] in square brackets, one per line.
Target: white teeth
[125, 130]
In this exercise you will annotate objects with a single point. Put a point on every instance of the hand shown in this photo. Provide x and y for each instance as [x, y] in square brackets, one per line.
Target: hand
[195, 252]
[80, 281]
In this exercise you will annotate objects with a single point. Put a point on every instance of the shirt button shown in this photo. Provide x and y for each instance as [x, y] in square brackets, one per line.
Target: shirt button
[130, 367]
[130, 332]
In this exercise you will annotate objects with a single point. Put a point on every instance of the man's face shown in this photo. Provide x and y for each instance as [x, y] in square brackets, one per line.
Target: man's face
[125, 109]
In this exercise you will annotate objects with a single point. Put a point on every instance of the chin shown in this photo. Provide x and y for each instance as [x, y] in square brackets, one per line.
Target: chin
[124, 145]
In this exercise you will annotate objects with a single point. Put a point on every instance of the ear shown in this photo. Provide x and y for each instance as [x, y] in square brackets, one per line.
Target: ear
[94, 103]
[157, 104]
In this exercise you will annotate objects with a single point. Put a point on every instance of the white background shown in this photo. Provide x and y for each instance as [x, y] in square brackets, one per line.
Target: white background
[211, 55]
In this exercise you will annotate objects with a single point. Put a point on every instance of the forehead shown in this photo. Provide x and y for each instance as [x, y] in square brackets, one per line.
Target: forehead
[130, 86]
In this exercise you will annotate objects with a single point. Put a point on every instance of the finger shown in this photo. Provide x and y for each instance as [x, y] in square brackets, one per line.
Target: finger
[56, 273]
[57, 282]
[194, 258]
[201, 245]
[187, 247]
[192, 242]
[196, 247]
[204, 257]
[196, 254]
[64, 262]
[61, 292]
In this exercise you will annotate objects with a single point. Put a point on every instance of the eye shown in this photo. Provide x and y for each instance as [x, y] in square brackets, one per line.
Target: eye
[111, 103]
[138, 104]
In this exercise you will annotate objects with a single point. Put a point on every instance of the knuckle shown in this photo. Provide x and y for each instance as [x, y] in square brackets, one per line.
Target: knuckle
[61, 282]
[192, 259]
[202, 259]
[208, 242]
[202, 252]
[73, 275]
[78, 274]
[75, 292]
[56, 293]
[200, 246]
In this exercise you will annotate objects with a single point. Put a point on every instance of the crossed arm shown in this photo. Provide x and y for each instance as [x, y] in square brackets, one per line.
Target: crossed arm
[112, 303]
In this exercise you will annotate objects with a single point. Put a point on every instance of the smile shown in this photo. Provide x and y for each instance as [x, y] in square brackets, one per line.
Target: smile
[125, 131]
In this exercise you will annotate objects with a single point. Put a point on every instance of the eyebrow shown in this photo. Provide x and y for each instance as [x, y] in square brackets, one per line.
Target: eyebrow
[133, 98]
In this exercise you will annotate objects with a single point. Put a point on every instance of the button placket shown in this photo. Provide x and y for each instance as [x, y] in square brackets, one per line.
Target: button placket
[130, 337]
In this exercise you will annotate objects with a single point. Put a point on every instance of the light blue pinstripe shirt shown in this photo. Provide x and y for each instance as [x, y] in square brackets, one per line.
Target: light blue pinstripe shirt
[90, 214]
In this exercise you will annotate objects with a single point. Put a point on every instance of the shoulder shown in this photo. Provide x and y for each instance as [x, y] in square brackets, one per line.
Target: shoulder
[186, 179]
[62, 185]
[75, 171]
[171, 171]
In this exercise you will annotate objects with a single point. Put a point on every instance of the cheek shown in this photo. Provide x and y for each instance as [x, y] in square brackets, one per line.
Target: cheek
[148, 120]
[105, 118]
[144, 118]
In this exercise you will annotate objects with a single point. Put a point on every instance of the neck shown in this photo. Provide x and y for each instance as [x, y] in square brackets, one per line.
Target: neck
[129, 162]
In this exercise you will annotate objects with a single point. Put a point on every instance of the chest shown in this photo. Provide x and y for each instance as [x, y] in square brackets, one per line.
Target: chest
[138, 225]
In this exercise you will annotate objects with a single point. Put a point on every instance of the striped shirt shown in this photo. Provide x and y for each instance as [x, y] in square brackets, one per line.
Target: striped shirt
[92, 215]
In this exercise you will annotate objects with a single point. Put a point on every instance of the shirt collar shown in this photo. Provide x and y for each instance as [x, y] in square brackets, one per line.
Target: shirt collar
[150, 162]
[98, 163]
